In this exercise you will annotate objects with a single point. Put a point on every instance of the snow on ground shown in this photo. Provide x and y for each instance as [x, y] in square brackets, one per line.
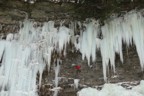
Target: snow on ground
[113, 90]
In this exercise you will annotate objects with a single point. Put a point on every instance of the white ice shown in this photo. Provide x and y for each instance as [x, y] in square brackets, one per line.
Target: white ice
[25, 54]
[76, 83]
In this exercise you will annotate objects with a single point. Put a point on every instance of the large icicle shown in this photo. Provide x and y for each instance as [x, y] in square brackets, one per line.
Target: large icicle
[88, 41]
[111, 44]
[56, 81]
[63, 38]
[49, 39]
[136, 23]
[19, 76]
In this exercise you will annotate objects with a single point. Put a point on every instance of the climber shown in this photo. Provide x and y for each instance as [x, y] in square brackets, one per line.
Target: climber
[78, 69]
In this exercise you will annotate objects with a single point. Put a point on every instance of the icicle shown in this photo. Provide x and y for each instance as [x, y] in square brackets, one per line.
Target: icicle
[111, 44]
[57, 69]
[76, 83]
[41, 69]
[137, 29]
[88, 41]
[2, 47]
[49, 33]
[56, 81]
[63, 38]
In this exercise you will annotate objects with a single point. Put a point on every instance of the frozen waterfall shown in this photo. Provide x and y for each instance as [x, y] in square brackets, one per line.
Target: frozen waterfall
[25, 54]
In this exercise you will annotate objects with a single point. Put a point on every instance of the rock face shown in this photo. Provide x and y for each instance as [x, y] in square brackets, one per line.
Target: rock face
[13, 11]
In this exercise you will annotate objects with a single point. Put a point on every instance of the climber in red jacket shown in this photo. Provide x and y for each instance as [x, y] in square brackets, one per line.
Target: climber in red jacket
[78, 69]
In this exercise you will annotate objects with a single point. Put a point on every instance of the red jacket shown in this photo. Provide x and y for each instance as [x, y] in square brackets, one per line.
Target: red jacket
[77, 67]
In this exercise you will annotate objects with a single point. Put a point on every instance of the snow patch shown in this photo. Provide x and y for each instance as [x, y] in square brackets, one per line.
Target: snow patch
[112, 90]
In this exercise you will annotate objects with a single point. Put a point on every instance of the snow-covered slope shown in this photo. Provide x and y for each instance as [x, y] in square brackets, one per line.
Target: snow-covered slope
[113, 90]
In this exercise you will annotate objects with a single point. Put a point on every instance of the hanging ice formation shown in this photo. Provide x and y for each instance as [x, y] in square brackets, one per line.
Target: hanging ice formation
[56, 81]
[127, 28]
[88, 41]
[25, 54]
[115, 31]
